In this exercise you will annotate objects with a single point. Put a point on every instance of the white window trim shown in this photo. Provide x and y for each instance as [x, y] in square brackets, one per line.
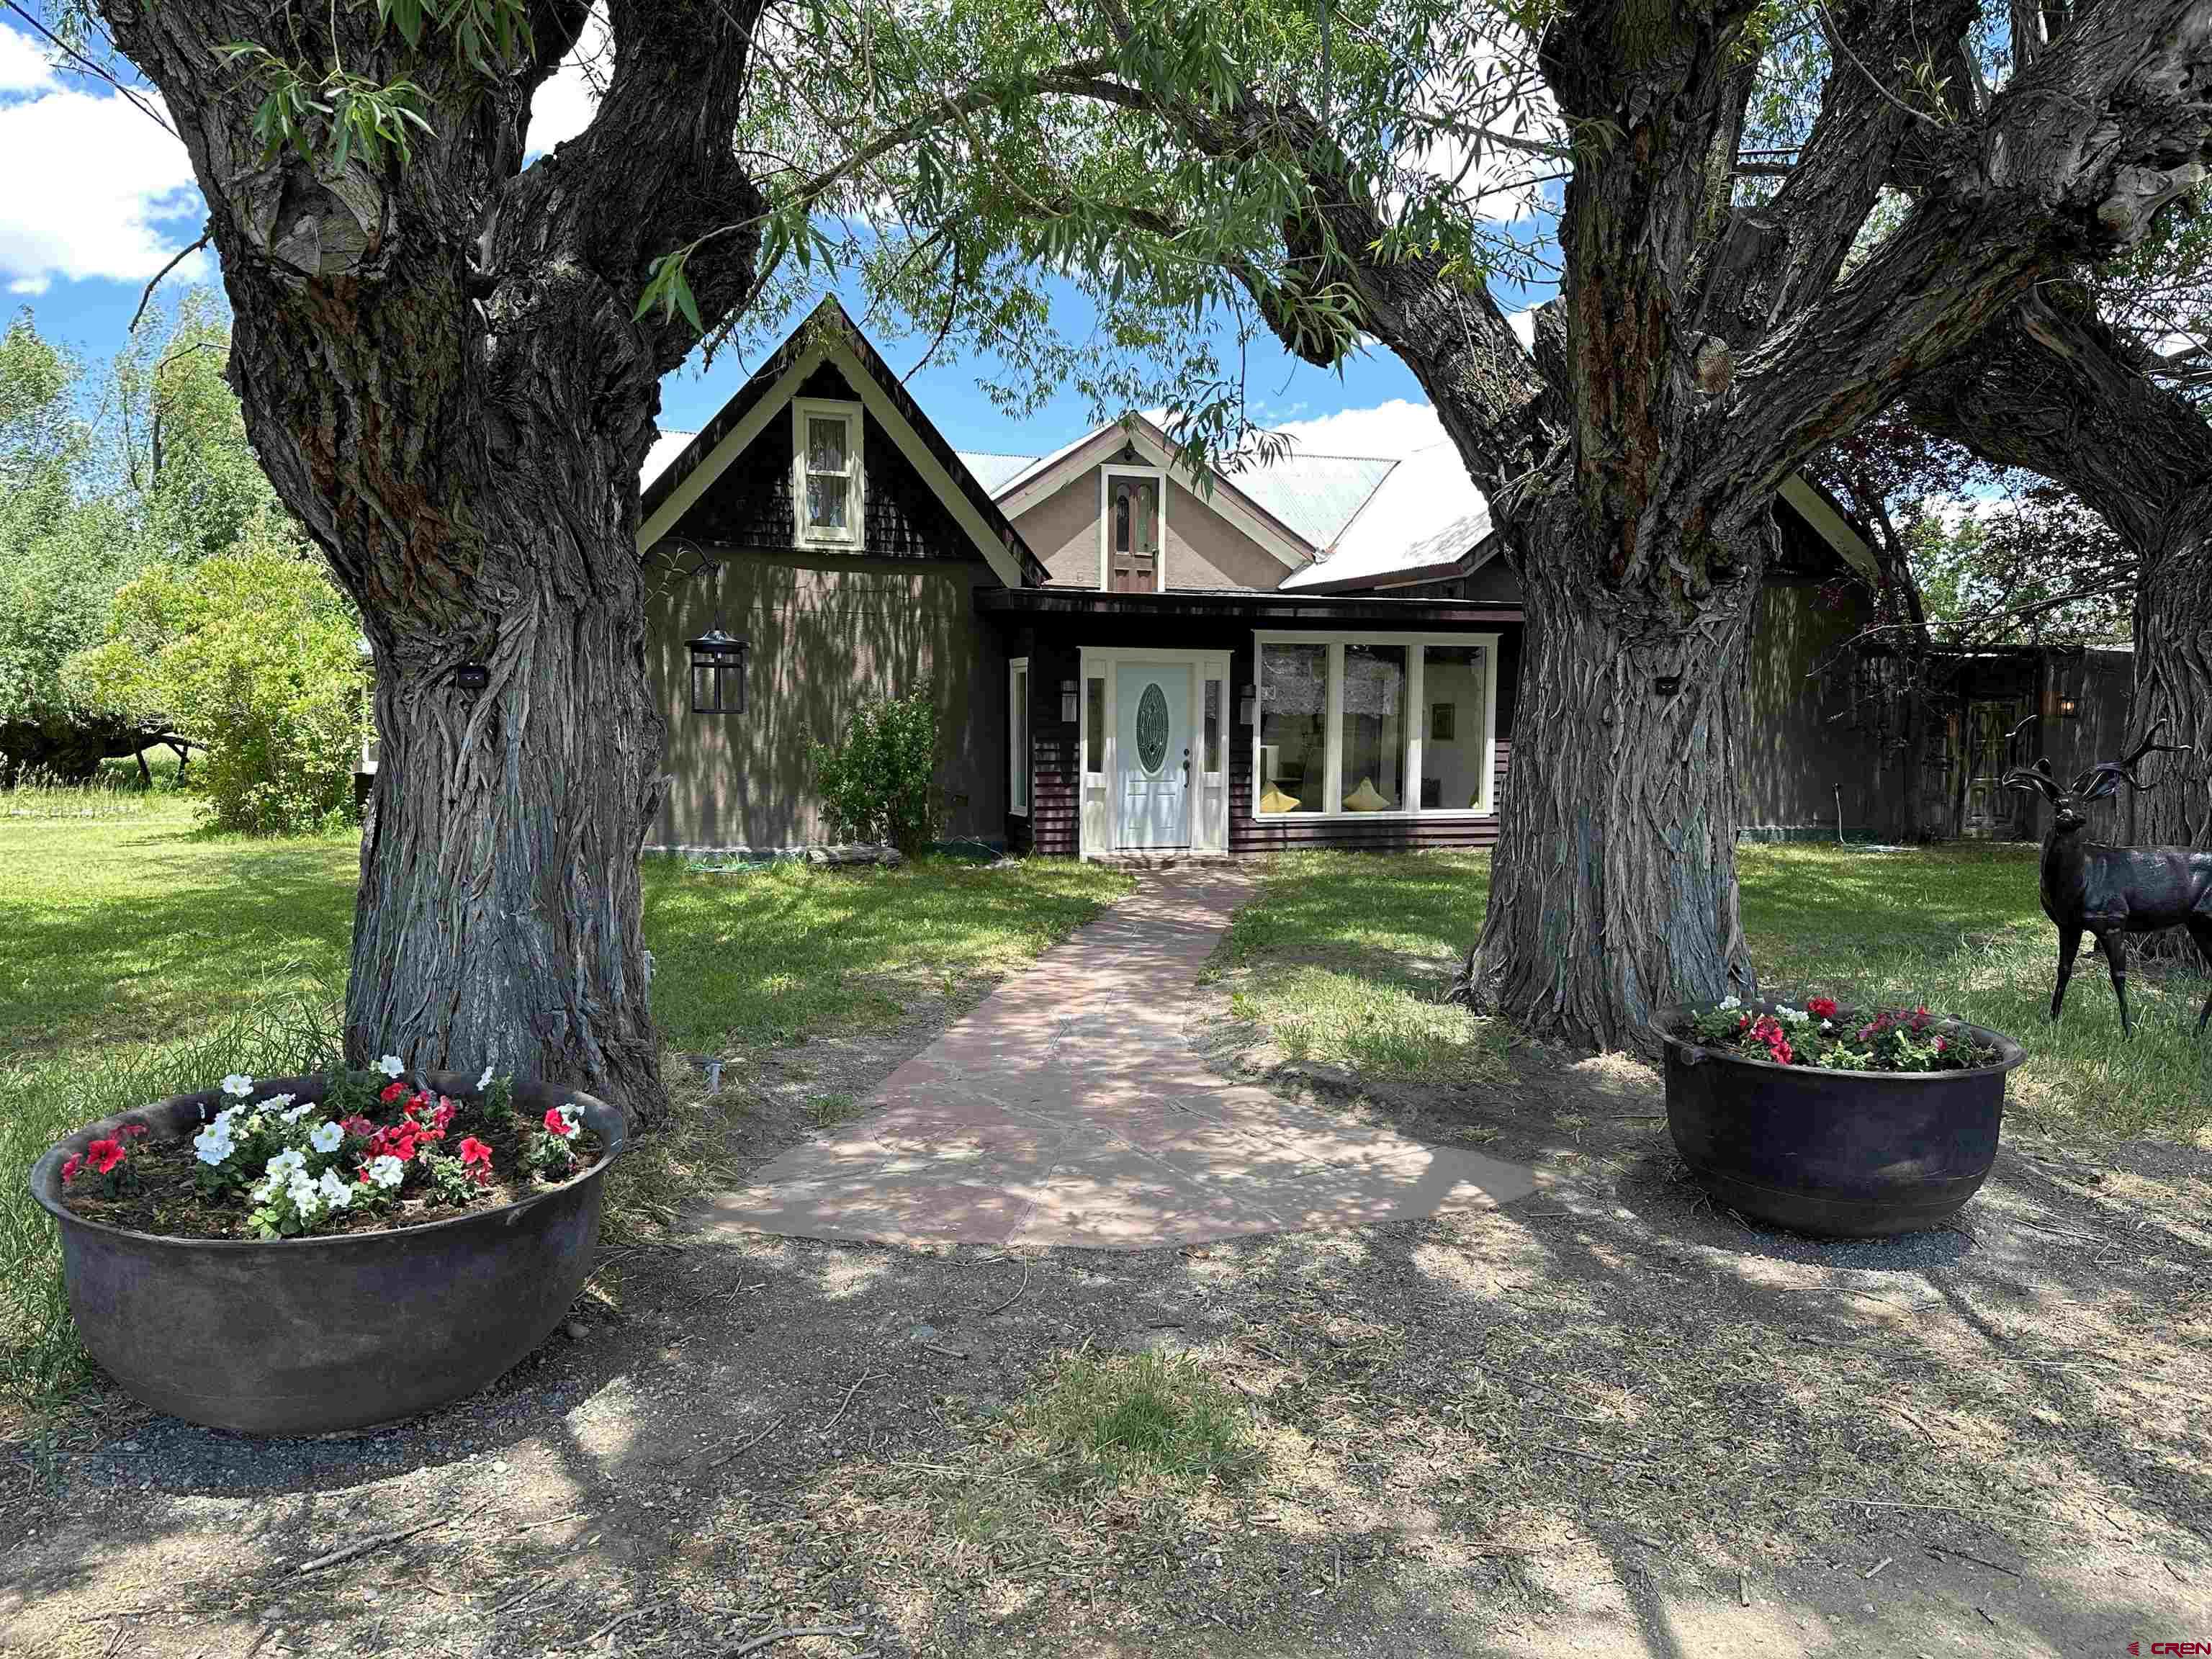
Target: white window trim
[856, 503]
[1017, 770]
[1107, 474]
[1416, 710]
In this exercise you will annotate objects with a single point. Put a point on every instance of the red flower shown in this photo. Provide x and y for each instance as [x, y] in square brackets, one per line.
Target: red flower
[392, 1091]
[1769, 1031]
[441, 1118]
[398, 1141]
[71, 1165]
[1820, 1007]
[475, 1152]
[357, 1125]
[133, 1130]
[104, 1154]
[557, 1125]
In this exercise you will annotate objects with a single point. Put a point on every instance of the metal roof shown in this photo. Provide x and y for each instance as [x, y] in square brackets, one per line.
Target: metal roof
[994, 471]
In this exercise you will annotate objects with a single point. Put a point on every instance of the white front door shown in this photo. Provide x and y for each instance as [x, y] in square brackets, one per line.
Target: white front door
[1153, 753]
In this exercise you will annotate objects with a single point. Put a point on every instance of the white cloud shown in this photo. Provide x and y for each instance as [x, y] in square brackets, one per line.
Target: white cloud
[1394, 430]
[95, 189]
[564, 105]
[24, 66]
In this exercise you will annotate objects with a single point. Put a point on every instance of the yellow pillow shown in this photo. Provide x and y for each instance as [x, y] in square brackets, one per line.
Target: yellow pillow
[1364, 800]
[1276, 801]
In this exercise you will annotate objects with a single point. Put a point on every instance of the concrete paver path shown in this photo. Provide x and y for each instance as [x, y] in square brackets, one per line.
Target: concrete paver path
[1068, 1109]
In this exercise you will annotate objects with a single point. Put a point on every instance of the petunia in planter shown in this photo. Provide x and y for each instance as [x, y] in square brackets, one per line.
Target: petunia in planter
[299, 1254]
[1827, 1121]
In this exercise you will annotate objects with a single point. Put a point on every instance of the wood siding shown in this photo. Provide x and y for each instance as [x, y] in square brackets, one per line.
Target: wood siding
[828, 630]
[751, 505]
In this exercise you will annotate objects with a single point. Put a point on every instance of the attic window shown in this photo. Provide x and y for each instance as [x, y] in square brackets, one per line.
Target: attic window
[826, 457]
[1132, 528]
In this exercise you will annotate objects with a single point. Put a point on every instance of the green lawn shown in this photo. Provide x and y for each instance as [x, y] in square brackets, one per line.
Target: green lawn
[139, 955]
[1344, 954]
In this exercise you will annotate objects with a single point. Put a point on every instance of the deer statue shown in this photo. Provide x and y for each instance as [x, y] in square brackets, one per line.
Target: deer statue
[2113, 891]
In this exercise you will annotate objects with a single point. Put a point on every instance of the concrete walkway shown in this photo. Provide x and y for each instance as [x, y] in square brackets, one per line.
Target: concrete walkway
[1067, 1110]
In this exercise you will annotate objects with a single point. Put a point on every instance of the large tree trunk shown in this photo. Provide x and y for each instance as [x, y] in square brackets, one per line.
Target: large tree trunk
[443, 373]
[1612, 893]
[2173, 681]
[499, 914]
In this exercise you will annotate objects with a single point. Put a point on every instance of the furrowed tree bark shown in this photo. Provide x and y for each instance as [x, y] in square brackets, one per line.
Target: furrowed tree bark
[2056, 391]
[1701, 349]
[441, 373]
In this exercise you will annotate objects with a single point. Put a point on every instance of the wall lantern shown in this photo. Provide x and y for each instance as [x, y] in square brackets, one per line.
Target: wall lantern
[472, 677]
[1245, 709]
[2067, 673]
[1067, 701]
[717, 672]
[1667, 685]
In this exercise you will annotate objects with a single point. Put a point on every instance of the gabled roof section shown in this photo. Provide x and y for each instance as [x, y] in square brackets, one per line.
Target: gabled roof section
[1228, 495]
[1317, 495]
[1423, 517]
[829, 336]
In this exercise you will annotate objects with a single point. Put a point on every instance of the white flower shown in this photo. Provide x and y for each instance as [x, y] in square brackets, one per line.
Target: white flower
[292, 1113]
[325, 1137]
[306, 1197]
[571, 1119]
[1827, 1025]
[1731, 1001]
[213, 1145]
[391, 1066]
[286, 1164]
[485, 1082]
[238, 1084]
[334, 1191]
[386, 1171]
[1795, 1015]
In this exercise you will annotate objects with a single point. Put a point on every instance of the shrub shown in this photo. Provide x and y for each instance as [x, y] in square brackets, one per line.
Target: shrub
[878, 783]
[254, 653]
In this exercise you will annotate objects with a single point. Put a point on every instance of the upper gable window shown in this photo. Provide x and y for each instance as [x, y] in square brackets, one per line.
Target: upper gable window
[1132, 528]
[826, 446]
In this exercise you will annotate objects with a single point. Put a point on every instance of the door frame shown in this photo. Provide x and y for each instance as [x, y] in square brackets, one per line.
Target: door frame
[1098, 796]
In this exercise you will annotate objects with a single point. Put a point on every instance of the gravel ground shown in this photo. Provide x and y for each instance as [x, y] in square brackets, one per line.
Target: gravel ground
[1614, 1419]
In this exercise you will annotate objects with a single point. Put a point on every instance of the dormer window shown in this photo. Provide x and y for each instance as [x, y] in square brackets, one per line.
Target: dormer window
[1132, 530]
[827, 487]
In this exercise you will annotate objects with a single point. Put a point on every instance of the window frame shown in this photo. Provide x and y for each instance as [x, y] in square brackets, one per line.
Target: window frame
[1107, 473]
[1417, 648]
[854, 415]
[1017, 771]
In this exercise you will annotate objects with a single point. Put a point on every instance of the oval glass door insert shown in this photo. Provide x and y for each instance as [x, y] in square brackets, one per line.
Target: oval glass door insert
[1153, 727]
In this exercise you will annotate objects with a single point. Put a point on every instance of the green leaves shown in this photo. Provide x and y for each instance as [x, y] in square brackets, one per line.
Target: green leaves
[346, 113]
[671, 291]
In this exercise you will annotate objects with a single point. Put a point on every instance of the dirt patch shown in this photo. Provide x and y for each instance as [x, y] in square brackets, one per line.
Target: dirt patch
[1611, 1418]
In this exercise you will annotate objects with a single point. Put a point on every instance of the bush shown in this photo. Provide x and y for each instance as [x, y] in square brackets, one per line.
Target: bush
[255, 655]
[879, 782]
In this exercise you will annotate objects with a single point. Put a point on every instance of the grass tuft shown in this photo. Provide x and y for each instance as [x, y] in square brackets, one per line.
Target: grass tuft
[1345, 958]
[1135, 1420]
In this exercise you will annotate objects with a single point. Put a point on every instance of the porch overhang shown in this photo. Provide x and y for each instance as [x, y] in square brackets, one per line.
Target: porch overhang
[1265, 610]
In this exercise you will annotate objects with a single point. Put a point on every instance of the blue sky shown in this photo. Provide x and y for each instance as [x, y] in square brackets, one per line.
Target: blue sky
[108, 199]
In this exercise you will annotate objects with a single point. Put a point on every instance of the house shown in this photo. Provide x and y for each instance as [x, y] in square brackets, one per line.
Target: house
[1306, 650]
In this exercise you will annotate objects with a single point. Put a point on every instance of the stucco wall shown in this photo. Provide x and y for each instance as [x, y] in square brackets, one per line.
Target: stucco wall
[827, 632]
[1204, 550]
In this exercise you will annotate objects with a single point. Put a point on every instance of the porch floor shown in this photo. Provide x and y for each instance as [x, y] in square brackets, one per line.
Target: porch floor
[1067, 1110]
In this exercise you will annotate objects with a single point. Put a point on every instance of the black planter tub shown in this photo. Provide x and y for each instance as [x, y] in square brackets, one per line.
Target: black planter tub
[309, 1335]
[1841, 1154]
